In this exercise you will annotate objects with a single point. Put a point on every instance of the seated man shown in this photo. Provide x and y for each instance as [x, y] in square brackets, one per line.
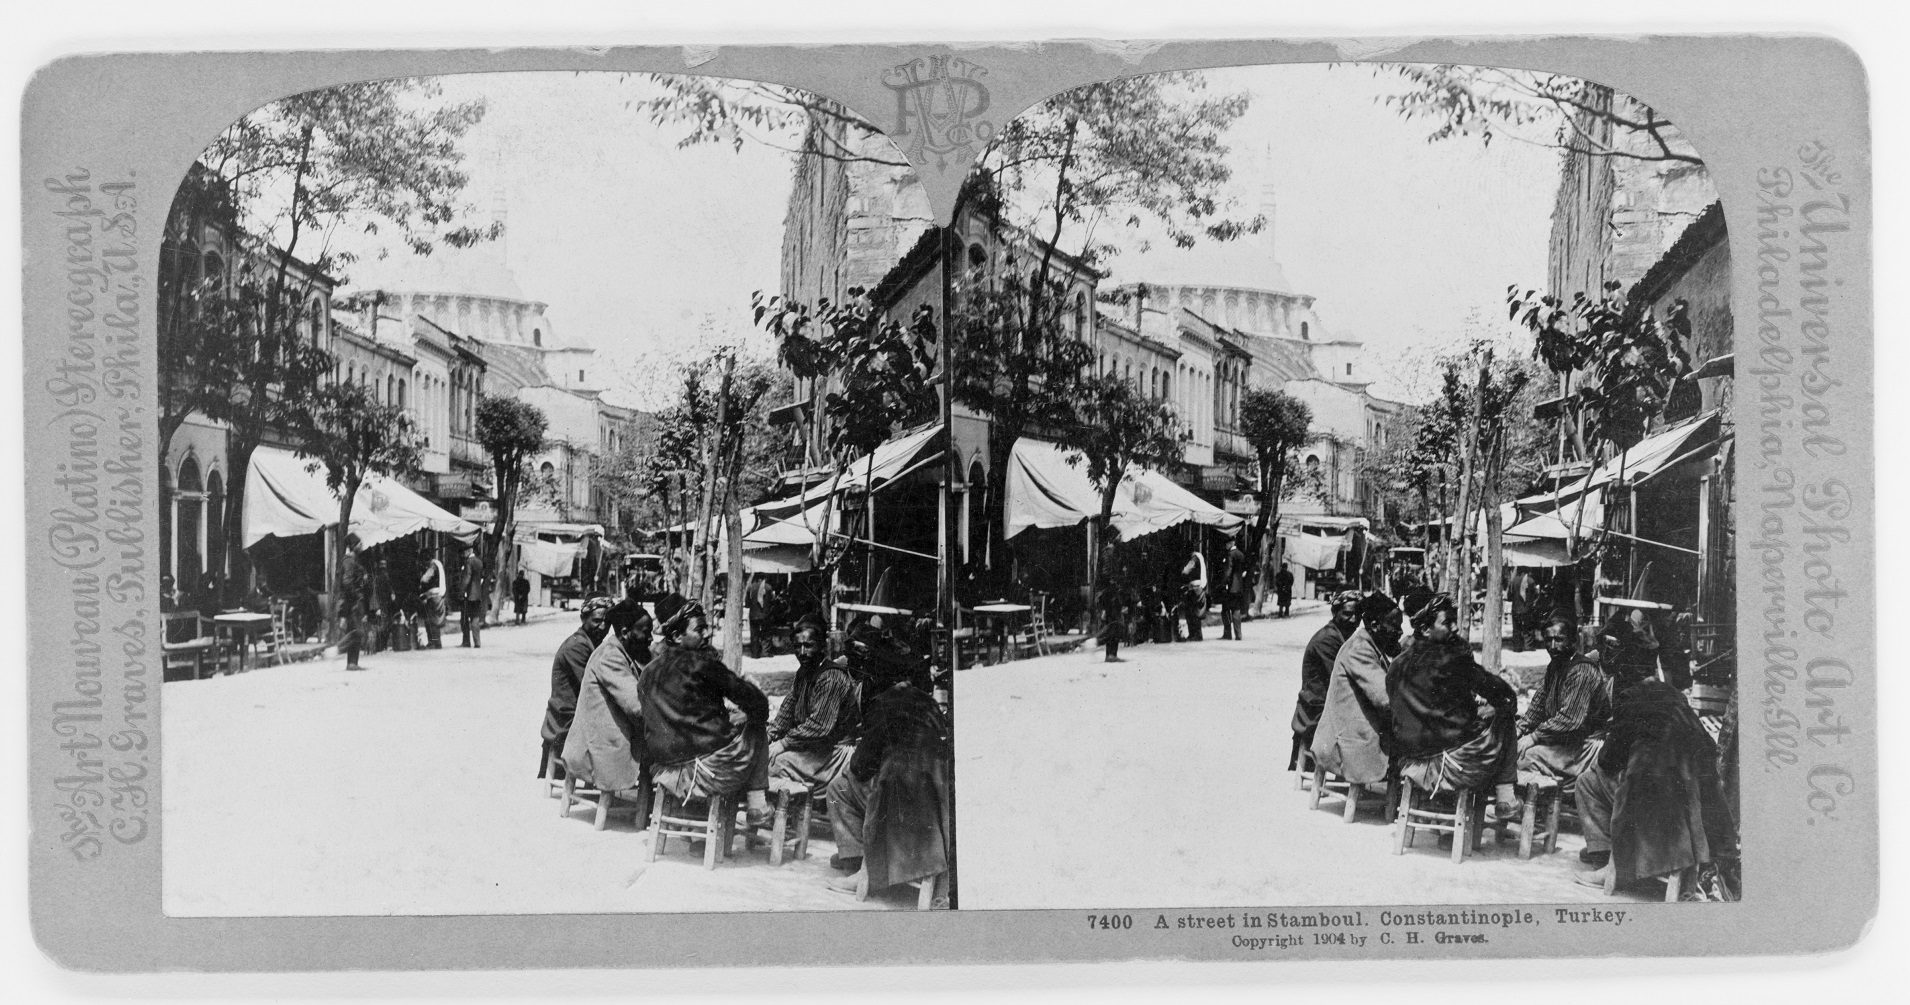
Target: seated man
[697, 747]
[891, 810]
[1316, 669]
[1443, 740]
[567, 675]
[814, 732]
[604, 746]
[1356, 724]
[1564, 724]
[1652, 804]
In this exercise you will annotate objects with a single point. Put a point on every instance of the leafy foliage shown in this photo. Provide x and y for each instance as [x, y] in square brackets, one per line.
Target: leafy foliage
[512, 432]
[1123, 152]
[1631, 365]
[350, 436]
[1275, 424]
[1123, 428]
[733, 113]
[1545, 108]
[877, 371]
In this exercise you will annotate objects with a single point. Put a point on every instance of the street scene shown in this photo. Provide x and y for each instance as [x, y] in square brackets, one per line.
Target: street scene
[1300, 484]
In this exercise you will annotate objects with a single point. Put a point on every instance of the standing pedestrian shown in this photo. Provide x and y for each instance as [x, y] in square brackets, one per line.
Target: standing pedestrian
[431, 586]
[520, 595]
[1283, 589]
[354, 594]
[1194, 592]
[756, 600]
[471, 602]
[1236, 580]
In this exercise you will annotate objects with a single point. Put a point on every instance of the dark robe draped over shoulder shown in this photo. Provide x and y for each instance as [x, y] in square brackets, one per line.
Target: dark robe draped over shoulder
[1669, 811]
[1316, 670]
[1433, 689]
[905, 750]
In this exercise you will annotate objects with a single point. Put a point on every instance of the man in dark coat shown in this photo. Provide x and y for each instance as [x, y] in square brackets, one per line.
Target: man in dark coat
[604, 748]
[1443, 741]
[1236, 580]
[1316, 670]
[471, 596]
[892, 808]
[355, 602]
[696, 745]
[520, 596]
[815, 728]
[1564, 723]
[1283, 589]
[1653, 804]
[567, 675]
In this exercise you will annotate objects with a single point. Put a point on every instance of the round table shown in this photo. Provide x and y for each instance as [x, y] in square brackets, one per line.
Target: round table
[241, 626]
[1002, 613]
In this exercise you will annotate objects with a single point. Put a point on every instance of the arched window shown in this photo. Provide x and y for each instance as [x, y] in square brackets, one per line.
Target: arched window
[189, 524]
[1303, 330]
[401, 394]
[537, 336]
[391, 388]
[215, 524]
[548, 470]
[975, 534]
[976, 256]
[212, 268]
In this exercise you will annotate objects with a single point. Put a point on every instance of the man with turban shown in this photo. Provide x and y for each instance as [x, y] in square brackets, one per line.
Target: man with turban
[1316, 669]
[1443, 740]
[567, 675]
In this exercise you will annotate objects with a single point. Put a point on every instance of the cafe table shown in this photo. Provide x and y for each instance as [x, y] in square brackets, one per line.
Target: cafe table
[242, 627]
[1002, 615]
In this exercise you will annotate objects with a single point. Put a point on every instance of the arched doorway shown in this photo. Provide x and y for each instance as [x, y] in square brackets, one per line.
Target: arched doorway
[189, 524]
[215, 524]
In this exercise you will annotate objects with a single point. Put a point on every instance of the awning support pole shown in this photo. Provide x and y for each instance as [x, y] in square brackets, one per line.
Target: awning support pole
[884, 547]
[1649, 541]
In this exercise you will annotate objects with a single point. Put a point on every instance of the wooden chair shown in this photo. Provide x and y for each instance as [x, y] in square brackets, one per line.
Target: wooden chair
[1034, 642]
[1416, 814]
[671, 817]
[186, 642]
[276, 642]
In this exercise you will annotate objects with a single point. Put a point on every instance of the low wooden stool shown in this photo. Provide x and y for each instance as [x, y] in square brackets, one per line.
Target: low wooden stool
[1462, 822]
[669, 817]
[1300, 762]
[1539, 826]
[792, 802]
[924, 889]
[554, 773]
[1326, 783]
[572, 793]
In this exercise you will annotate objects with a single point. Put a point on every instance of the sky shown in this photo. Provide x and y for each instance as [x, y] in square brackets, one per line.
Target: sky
[646, 251]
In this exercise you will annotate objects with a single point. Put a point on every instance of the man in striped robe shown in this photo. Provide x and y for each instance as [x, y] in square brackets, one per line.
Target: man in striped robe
[1564, 724]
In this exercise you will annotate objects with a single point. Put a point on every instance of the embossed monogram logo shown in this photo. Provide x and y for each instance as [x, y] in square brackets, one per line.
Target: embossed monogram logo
[938, 104]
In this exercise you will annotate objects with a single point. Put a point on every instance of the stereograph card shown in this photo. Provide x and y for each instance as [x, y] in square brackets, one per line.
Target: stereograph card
[1063, 502]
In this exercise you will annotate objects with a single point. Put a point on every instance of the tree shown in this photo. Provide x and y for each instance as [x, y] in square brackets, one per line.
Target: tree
[1122, 430]
[1548, 109]
[1629, 366]
[279, 183]
[512, 432]
[881, 374]
[732, 113]
[1133, 152]
[1275, 424]
[349, 435]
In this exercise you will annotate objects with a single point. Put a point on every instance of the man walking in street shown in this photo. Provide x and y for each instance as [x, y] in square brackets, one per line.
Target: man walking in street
[354, 599]
[520, 596]
[1194, 593]
[1283, 589]
[471, 596]
[1236, 581]
[431, 590]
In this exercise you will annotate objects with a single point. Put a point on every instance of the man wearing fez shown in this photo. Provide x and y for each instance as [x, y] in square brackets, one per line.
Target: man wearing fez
[1316, 669]
[471, 593]
[567, 675]
[1356, 719]
[696, 746]
[1443, 740]
[891, 808]
[1565, 721]
[815, 728]
[604, 748]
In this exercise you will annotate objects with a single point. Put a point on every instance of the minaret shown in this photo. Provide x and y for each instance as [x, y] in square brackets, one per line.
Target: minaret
[1268, 209]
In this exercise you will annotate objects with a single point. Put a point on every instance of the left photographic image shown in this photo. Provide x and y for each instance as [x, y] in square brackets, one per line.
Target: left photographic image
[517, 517]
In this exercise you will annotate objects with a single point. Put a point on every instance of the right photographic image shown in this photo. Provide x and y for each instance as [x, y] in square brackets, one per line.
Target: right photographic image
[1340, 502]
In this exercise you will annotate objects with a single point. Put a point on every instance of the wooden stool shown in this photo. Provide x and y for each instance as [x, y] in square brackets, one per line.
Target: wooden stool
[1462, 822]
[792, 802]
[1539, 826]
[924, 889]
[1300, 762]
[606, 803]
[554, 773]
[670, 817]
[1326, 783]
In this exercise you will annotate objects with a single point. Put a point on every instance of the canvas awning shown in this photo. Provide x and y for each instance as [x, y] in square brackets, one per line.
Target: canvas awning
[1686, 441]
[886, 463]
[285, 498]
[1044, 490]
[1315, 551]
